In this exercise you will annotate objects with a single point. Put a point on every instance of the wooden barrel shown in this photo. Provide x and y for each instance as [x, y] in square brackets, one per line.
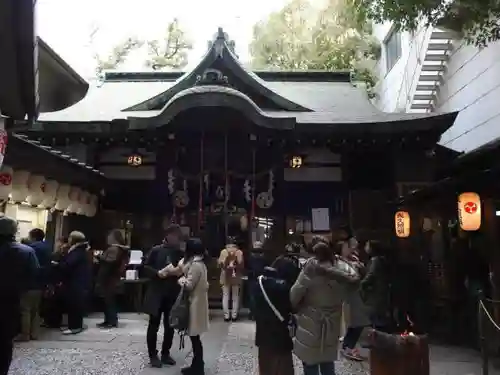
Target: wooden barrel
[410, 357]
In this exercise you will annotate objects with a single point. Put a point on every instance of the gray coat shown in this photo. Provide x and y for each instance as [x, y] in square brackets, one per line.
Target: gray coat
[318, 301]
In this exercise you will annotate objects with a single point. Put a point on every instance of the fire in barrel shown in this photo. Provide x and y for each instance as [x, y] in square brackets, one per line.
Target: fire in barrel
[398, 354]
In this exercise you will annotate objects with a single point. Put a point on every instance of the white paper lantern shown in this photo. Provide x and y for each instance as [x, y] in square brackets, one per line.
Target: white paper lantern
[74, 197]
[62, 198]
[36, 188]
[50, 194]
[92, 207]
[6, 174]
[83, 203]
[20, 186]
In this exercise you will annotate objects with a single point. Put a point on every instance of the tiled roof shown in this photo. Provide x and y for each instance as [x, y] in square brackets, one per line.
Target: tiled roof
[331, 101]
[334, 101]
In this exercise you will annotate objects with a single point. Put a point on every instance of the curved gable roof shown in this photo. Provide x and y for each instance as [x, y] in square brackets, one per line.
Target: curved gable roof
[220, 52]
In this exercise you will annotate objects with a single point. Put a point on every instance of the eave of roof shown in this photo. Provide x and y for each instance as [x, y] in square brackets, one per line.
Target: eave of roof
[59, 165]
[64, 66]
[23, 139]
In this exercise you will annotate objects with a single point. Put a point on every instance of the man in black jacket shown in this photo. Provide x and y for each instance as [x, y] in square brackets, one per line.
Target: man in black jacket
[18, 271]
[161, 266]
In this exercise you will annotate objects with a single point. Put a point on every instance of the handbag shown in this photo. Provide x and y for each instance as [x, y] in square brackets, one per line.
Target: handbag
[290, 322]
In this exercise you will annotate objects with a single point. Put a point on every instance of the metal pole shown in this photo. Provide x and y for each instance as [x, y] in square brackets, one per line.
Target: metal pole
[482, 338]
[226, 187]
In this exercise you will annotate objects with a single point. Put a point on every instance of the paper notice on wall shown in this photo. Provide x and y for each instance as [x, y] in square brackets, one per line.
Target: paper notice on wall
[320, 219]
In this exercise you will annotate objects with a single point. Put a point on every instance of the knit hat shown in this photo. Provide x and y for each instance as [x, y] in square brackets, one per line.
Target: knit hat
[8, 226]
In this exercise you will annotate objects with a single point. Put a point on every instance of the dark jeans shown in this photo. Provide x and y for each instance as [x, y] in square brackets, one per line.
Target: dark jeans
[197, 351]
[6, 348]
[351, 337]
[325, 368]
[110, 309]
[252, 289]
[76, 310]
[154, 326]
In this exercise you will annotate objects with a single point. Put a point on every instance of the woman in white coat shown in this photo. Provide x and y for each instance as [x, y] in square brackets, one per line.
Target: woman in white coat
[196, 282]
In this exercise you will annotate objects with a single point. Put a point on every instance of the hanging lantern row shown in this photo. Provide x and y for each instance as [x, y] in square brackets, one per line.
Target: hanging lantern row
[469, 215]
[23, 187]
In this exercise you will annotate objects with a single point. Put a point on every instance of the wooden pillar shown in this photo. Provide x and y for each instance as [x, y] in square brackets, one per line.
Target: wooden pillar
[489, 229]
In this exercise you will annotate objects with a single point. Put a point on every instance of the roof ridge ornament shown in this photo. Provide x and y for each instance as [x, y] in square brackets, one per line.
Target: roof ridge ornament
[219, 42]
[212, 77]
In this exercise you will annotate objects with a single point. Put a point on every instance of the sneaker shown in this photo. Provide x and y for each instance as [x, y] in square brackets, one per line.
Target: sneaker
[227, 318]
[352, 355]
[341, 338]
[72, 331]
[105, 325]
[22, 338]
[168, 360]
[155, 362]
[234, 318]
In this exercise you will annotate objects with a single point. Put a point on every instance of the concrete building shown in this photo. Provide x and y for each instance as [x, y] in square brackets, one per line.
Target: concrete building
[432, 70]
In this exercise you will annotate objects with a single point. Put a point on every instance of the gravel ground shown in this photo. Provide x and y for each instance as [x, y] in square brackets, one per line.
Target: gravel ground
[239, 355]
[39, 361]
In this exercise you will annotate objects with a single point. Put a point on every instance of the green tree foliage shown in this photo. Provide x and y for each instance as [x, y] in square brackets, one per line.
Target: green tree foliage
[304, 37]
[168, 52]
[171, 50]
[118, 55]
[476, 20]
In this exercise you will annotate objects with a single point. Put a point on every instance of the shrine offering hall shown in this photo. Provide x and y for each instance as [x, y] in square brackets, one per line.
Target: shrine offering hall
[223, 150]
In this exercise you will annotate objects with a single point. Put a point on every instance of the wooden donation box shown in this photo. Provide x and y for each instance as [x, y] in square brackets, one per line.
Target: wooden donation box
[398, 354]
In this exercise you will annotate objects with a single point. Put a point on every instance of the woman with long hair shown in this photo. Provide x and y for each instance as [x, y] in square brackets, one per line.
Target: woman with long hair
[317, 297]
[356, 314]
[112, 265]
[232, 266]
[375, 286]
[195, 280]
[273, 313]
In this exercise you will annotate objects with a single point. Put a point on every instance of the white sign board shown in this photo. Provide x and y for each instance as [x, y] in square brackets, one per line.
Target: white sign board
[320, 219]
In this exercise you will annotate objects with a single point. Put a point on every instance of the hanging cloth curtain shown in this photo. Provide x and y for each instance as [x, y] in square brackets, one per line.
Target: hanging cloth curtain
[200, 195]
[252, 215]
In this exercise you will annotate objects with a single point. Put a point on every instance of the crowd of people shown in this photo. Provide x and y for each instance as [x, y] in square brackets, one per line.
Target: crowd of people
[298, 308]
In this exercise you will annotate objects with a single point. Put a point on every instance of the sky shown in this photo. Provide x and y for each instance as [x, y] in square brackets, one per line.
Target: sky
[67, 25]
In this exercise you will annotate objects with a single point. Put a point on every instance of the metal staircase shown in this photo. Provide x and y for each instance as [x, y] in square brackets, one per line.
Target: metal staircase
[432, 62]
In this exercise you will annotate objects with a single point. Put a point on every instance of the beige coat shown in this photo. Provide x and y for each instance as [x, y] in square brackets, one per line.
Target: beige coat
[318, 302]
[196, 281]
[231, 257]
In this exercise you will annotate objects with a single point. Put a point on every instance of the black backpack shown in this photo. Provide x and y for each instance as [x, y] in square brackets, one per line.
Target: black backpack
[179, 315]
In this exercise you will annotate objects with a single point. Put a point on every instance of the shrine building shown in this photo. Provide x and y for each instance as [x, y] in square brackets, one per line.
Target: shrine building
[291, 153]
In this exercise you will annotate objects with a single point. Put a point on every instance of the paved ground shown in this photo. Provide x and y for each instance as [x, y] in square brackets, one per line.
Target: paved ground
[229, 350]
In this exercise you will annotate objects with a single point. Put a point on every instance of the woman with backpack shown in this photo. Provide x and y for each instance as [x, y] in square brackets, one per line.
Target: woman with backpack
[195, 281]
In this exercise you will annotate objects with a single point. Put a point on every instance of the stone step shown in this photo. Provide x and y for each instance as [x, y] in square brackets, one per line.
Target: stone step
[436, 57]
[428, 97]
[421, 106]
[433, 68]
[425, 87]
[442, 35]
[429, 78]
[435, 46]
